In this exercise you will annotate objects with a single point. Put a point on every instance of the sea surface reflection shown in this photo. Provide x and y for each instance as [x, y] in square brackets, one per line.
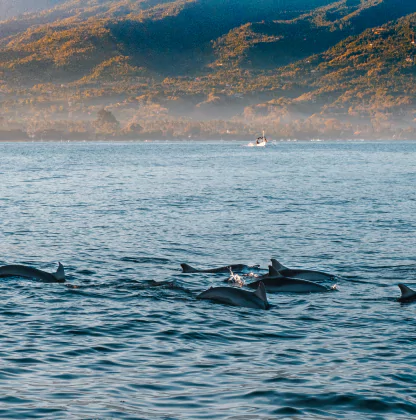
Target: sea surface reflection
[121, 216]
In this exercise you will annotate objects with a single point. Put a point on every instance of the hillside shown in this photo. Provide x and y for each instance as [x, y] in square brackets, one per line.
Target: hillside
[209, 67]
[166, 37]
[68, 42]
[369, 79]
[275, 43]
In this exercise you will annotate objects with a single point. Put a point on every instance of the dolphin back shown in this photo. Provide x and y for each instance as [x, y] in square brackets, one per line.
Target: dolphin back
[237, 297]
[289, 285]
[310, 275]
[30, 273]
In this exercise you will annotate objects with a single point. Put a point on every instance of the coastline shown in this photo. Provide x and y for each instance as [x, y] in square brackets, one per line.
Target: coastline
[214, 141]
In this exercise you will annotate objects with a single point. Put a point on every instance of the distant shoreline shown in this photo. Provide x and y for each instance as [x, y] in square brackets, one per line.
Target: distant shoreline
[242, 141]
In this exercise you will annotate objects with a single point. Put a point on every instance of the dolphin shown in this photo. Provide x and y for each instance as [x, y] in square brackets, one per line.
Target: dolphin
[33, 273]
[408, 295]
[236, 268]
[288, 285]
[301, 274]
[238, 297]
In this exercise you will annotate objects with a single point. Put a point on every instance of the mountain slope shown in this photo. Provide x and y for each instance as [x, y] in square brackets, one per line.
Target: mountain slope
[338, 69]
[276, 43]
[166, 37]
[368, 79]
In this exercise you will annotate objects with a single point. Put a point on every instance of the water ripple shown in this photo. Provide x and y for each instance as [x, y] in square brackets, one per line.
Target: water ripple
[129, 340]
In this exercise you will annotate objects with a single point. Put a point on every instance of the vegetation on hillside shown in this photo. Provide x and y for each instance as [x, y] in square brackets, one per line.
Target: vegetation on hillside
[167, 69]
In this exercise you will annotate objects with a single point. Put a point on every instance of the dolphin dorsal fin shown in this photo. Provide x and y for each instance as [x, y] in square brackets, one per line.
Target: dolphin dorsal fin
[277, 266]
[60, 273]
[187, 268]
[406, 291]
[273, 272]
[261, 292]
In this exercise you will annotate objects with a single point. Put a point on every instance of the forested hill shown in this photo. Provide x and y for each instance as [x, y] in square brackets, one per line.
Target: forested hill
[169, 37]
[68, 42]
[273, 43]
[366, 84]
[290, 66]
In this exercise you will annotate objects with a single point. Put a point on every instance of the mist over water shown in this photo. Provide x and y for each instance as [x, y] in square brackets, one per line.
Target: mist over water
[120, 216]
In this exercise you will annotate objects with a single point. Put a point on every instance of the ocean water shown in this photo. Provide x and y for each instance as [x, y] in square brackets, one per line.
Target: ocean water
[121, 216]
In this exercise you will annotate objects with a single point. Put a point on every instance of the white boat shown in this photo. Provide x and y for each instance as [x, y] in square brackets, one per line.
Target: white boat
[260, 142]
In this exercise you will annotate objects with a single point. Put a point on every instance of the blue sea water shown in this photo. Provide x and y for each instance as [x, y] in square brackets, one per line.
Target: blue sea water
[120, 216]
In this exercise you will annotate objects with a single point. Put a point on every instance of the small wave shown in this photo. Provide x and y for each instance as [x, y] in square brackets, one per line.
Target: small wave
[146, 260]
